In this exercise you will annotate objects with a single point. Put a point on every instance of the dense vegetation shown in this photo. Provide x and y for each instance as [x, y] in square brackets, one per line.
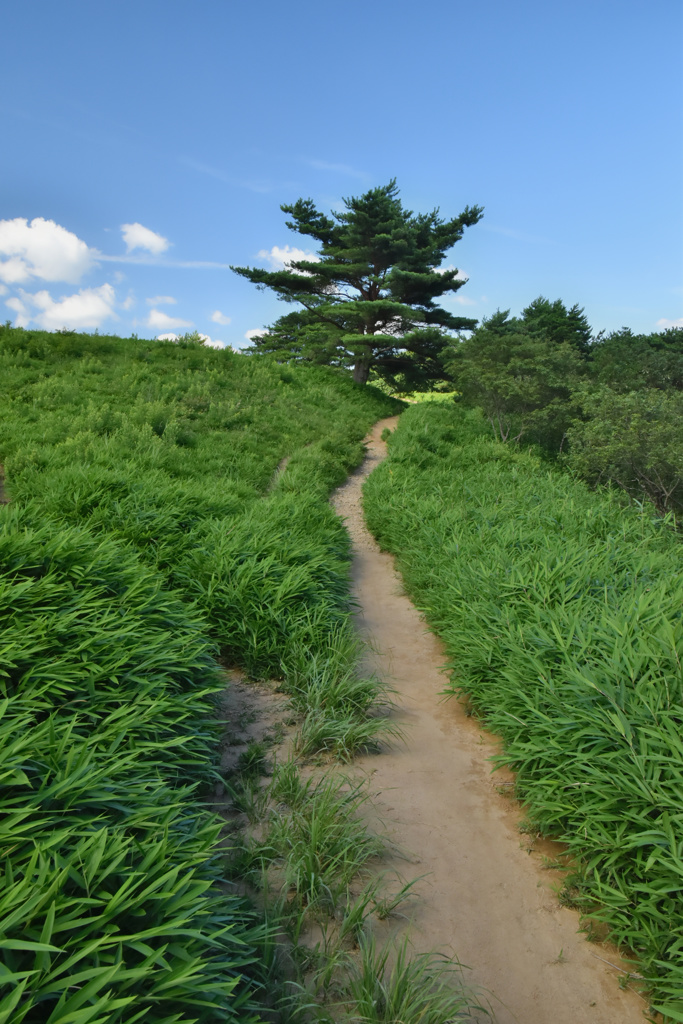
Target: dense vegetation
[561, 612]
[169, 506]
[611, 404]
[149, 529]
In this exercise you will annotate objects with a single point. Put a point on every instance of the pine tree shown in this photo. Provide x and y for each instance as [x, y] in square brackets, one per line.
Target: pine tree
[558, 323]
[368, 297]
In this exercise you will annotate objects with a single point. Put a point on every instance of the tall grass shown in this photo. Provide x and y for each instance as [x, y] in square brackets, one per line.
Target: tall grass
[144, 539]
[318, 839]
[391, 986]
[561, 613]
[110, 908]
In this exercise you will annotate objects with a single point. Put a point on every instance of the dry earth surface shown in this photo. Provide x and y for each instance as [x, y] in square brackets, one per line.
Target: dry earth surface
[487, 897]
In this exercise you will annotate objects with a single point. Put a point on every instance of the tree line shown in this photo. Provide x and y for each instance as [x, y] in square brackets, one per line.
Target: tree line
[610, 405]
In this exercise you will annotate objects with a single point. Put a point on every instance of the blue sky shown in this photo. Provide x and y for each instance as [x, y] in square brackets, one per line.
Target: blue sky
[148, 145]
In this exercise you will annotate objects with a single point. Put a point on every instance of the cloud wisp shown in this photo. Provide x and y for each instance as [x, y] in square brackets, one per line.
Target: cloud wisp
[518, 236]
[212, 172]
[345, 169]
[44, 250]
[151, 261]
[259, 186]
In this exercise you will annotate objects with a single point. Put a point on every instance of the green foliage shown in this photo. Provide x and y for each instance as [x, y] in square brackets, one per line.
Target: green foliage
[560, 325]
[628, 427]
[148, 530]
[319, 841]
[368, 297]
[178, 460]
[110, 908]
[561, 614]
[520, 374]
[390, 986]
[634, 440]
[633, 362]
[299, 337]
[614, 403]
[343, 712]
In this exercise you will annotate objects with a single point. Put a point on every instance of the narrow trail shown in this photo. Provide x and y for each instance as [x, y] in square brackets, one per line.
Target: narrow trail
[487, 898]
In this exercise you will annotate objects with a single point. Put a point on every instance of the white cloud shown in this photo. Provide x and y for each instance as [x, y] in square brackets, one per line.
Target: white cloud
[3, 289]
[255, 332]
[280, 257]
[23, 315]
[88, 308]
[138, 237]
[163, 322]
[42, 249]
[128, 303]
[167, 337]
[460, 276]
[220, 318]
[664, 323]
[161, 300]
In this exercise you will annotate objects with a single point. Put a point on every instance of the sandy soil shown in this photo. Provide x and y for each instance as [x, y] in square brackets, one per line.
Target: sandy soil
[487, 898]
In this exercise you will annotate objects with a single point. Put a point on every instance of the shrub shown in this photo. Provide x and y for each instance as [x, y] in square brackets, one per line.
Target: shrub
[634, 440]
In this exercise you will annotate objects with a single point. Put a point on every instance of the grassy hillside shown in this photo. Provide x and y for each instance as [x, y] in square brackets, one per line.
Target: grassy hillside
[148, 530]
[561, 612]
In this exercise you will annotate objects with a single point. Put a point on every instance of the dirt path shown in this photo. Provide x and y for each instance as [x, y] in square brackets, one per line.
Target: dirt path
[487, 898]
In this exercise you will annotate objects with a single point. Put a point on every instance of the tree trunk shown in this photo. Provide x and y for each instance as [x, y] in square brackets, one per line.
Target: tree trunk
[361, 370]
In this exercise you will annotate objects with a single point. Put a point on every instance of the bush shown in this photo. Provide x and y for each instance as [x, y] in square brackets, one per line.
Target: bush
[633, 362]
[520, 376]
[634, 440]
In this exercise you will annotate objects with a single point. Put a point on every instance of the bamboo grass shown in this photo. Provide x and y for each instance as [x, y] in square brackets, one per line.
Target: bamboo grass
[560, 609]
[142, 538]
[148, 532]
